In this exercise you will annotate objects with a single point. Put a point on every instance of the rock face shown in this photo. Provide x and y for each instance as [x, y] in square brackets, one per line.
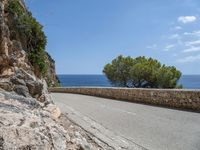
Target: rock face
[51, 77]
[26, 125]
[16, 71]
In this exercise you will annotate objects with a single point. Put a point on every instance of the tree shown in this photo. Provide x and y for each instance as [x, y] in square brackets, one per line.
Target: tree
[119, 71]
[168, 77]
[141, 72]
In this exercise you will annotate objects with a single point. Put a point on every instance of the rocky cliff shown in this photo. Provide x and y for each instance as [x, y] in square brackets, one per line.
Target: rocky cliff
[51, 78]
[28, 117]
[24, 64]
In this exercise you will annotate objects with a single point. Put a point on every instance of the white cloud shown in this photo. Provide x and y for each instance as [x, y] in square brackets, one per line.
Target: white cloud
[192, 43]
[187, 19]
[191, 49]
[189, 59]
[194, 33]
[174, 36]
[168, 47]
[177, 28]
[152, 46]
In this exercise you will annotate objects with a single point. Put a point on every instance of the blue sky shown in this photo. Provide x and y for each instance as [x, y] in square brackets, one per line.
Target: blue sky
[84, 35]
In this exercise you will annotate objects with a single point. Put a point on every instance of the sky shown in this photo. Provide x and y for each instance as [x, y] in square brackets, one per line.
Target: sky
[84, 35]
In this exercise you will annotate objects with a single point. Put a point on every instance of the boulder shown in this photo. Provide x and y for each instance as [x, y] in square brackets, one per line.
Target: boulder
[35, 88]
[53, 110]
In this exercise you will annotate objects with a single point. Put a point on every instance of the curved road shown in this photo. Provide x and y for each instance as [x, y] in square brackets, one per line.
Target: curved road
[154, 128]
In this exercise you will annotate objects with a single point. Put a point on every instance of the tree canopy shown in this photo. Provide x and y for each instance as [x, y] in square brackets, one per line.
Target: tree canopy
[141, 72]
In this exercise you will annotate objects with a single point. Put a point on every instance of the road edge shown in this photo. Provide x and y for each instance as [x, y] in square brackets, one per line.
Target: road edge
[99, 131]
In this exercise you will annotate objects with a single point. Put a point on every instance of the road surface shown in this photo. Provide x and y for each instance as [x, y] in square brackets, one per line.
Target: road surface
[154, 128]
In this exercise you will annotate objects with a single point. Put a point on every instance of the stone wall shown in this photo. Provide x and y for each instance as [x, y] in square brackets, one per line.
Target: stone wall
[174, 98]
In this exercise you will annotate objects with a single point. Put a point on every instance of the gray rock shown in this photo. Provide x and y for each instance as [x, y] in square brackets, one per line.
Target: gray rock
[6, 85]
[30, 102]
[2, 96]
[25, 124]
[25, 128]
[22, 127]
[17, 81]
[19, 74]
[35, 88]
[22, 90]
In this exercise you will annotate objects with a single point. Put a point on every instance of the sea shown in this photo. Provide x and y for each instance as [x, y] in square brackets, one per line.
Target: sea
[187, 81]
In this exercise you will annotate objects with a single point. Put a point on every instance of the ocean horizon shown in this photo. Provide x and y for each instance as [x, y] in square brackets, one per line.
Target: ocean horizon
[77, 80]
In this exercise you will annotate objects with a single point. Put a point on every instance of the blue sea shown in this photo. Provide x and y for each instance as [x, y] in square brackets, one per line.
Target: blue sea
[188, 81]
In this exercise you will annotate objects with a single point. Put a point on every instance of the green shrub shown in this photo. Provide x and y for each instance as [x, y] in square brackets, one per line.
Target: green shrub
[31, 30]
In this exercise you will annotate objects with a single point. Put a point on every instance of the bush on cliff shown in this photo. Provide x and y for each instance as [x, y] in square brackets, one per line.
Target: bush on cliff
[141, 72]
[31, 30]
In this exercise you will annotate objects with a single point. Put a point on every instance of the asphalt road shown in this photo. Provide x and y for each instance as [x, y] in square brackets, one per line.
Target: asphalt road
[155, 128]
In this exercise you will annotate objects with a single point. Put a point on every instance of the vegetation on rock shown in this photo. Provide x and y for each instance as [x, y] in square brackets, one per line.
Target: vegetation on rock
[31, 30]
[141, 72]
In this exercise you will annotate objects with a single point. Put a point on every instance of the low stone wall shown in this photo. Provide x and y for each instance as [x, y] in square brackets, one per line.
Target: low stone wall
[174, 98]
